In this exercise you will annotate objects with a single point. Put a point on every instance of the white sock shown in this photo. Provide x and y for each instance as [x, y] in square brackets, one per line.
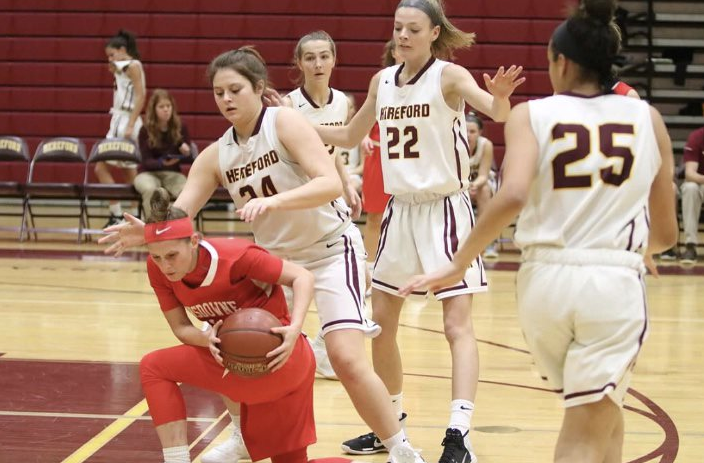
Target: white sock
[236, 423]
[397, 439]
[178, 454]
[461, 415]
[116, 209]
[397, 402]
[319, 340]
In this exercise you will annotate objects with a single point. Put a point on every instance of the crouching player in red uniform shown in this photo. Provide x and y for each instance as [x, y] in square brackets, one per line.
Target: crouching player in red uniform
[212, 279]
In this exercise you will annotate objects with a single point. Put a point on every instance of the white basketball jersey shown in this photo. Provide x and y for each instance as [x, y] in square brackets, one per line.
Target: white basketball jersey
[123, 93]
[263, 167]
[598, 158]
[423, 141]
[333, 113]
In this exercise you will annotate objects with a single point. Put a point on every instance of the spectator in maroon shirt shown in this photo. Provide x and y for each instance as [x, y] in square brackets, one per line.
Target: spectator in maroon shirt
[164, 143]
[692, 193]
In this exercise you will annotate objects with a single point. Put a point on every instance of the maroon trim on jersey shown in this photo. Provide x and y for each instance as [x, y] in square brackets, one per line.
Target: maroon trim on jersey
[457, 133]
[384, 229]
[257, 126]
[641, 338]
[352, 274]
[352, 283]
[417, 76]
[381, 283]
[450, 229]
[454, 288]
[482, 274]
[593, 391]
[579, 95]
[310, 100]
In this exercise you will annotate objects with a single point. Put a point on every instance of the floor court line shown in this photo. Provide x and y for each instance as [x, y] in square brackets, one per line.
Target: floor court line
[97, 416]
[106, 435]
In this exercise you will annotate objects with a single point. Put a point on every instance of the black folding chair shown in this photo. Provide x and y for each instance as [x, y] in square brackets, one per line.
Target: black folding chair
[111, 149]
[14, 157]
[42, 186]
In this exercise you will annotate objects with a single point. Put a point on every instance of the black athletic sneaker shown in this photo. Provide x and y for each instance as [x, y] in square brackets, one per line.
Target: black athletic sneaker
[114, 220]
[455, 451]
[366, 444]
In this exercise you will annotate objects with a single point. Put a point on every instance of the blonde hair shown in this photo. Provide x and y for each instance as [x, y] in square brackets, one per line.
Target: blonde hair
[450, 38]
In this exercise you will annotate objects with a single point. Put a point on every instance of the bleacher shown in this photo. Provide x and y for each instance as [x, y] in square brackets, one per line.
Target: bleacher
[54, 79]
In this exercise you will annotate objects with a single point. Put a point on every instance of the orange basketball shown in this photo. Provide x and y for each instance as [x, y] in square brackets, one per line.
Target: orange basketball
[246, 338]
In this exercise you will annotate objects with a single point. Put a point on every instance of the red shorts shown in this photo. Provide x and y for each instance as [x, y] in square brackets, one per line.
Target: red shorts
[277, 409]
[373, 197]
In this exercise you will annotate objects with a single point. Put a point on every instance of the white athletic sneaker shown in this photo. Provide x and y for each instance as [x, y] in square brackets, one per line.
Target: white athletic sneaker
[371, 328]
[490, 252]
[404, 453]
[322, 362]
[230, 451]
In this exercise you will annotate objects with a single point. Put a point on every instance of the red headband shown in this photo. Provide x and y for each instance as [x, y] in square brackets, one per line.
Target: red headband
[168, 230]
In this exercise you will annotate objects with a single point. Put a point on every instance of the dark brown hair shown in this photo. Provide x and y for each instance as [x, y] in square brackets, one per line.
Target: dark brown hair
[161, 210]
[595, 37]
[245, 61]
[125, 39]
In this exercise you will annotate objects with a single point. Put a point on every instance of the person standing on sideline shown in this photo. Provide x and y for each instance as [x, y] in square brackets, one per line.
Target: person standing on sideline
[590, 174]
[284, 182]
[692, 193]
[127, 102]
[483, 183]
[164, 142]
[189, 274]
[425, 161]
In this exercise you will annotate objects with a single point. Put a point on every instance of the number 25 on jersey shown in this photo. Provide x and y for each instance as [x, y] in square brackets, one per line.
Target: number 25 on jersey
[610, 174]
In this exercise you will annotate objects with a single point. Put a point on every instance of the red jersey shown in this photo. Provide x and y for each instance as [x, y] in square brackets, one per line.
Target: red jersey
[694, 149]
[231, 274]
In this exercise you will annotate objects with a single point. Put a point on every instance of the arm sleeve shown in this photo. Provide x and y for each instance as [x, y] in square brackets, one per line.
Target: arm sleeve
[163, 290]
[257, 264]
[149, 161]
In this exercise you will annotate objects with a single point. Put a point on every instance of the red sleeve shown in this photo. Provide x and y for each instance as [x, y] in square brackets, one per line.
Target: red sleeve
[694, 147]
[621, 88]
[257, 264]
[162, 288]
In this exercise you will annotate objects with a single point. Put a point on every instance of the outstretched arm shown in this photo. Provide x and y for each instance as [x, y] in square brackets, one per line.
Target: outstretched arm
[495, 103]
[520, 164]
[351, 135]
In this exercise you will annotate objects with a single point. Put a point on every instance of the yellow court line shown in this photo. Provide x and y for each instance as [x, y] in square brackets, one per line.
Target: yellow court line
[104, 436]
[207, 430]
[97, 416]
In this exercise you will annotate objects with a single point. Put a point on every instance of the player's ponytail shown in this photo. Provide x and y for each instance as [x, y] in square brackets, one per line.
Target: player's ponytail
[590, 38]
[450, 38]
[161, 211]
[125, 39]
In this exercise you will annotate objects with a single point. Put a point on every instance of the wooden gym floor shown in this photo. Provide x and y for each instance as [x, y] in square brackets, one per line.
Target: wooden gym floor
[76, 323]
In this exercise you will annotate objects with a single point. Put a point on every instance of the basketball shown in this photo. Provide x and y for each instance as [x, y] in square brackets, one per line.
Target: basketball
[246, 338]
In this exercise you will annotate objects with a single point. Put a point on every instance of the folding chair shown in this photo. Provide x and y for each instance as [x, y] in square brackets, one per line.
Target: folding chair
[110, 149]
[42, 185]
[14, 155]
